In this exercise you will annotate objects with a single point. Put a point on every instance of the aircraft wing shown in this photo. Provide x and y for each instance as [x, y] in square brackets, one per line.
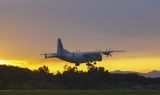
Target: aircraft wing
[107, 52]
[112, 51]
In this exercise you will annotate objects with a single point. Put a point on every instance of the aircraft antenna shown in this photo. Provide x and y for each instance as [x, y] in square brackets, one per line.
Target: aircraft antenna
[59, 34]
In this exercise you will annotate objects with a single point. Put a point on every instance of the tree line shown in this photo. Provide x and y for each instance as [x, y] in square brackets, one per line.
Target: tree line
[96, 78]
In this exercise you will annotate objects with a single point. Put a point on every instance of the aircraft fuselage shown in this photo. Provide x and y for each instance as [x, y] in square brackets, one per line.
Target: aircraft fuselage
[82, 57]
[78, 57]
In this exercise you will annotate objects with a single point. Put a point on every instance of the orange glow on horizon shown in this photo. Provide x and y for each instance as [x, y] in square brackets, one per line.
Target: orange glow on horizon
[13, 62]
[126, 64]
[2, 62]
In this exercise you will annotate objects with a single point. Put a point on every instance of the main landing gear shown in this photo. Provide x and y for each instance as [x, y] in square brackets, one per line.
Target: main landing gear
[77, 64]
[87, 64]
[90, 63]
[95, 63]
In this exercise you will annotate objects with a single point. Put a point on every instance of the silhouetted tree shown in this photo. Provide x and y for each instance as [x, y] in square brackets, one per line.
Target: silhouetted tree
[95, 78]
[43, 69]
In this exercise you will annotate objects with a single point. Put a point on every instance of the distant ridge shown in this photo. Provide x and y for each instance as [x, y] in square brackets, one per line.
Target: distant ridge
[152, 74]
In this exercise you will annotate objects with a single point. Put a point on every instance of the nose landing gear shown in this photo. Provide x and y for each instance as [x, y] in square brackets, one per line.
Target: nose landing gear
[95, 63]
[77, 64]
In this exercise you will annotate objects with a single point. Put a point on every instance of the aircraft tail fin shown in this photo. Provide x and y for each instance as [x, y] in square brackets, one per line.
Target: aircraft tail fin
[59, 47]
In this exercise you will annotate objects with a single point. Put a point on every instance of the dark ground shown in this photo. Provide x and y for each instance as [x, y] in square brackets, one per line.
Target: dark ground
[80, 92]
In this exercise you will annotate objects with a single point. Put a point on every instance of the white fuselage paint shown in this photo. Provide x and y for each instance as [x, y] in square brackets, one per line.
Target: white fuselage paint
[82, 57]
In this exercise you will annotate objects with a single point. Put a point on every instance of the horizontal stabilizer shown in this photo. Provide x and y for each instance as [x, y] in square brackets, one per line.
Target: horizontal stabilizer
[49, 55]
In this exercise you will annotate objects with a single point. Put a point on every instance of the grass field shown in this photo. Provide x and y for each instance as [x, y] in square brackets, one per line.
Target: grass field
[79, 92]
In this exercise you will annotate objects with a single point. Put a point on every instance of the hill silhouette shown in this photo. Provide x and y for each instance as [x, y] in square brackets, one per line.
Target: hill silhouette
[151, 74]
[16, 78]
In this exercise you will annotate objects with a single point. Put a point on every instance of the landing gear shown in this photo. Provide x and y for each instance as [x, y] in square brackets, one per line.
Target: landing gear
[77, 64]
[95, 63]
[88, 64]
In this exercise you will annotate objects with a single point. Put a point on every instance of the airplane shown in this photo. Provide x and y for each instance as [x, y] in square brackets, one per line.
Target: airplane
[79, 57]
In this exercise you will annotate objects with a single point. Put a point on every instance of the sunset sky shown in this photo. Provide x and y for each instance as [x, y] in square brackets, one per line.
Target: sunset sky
[31, 27]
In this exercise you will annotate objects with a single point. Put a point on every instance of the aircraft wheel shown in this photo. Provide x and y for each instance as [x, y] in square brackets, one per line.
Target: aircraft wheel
[77, 64]
[88, 64]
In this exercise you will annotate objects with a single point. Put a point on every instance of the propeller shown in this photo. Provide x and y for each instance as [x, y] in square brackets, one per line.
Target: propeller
[108, 49]
[108, 52]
